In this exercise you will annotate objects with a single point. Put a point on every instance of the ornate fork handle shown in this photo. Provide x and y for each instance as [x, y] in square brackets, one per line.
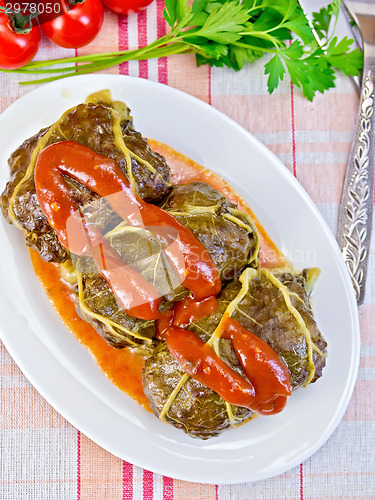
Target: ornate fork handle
[355, 215]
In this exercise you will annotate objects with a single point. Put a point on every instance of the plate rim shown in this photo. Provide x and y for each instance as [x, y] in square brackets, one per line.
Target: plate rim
[75, 420]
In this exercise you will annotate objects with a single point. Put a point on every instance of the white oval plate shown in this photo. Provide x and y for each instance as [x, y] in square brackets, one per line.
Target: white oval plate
[65, 373]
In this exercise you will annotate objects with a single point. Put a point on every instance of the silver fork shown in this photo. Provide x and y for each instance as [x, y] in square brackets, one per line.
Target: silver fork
[356, 209]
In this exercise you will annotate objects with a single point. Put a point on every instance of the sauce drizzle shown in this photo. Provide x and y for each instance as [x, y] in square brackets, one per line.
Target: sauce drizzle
[268, 382]
[124, 366]
[104, 177]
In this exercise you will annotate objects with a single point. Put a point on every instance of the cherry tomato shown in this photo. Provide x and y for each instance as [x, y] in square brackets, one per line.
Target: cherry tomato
[126, 6]
[76, 27]
[16, 49]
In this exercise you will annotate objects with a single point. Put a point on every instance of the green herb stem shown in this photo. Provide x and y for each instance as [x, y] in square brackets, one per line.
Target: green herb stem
[232, 33]
[263, 36]
[90, 67]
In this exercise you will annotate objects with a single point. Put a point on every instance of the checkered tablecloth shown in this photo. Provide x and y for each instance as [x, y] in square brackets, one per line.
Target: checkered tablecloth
[43, 457]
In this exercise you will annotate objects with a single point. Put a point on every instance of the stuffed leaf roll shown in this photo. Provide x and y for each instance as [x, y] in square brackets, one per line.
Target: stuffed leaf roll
[228, 234]
[274, 306]
[96, 302]
[107, 128]
[165, 273]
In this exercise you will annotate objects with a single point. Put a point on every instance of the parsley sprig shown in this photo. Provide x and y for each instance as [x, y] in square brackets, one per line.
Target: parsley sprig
[234, 32]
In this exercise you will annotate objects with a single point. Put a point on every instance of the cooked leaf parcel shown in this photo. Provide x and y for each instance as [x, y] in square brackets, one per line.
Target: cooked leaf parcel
[212, 363]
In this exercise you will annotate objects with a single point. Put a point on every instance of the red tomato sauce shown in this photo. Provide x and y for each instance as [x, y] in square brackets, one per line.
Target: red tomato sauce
[103, 176]
[122, 366]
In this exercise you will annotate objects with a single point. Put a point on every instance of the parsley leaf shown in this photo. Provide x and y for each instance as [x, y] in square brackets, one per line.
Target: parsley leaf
[276, 71]
[199, 6]
[294, 51]
[170, 12]
[301, 28]
[339, 56]
[241, 55]
[177, 13]
[310, 76]
[321, 22]
[225, 23]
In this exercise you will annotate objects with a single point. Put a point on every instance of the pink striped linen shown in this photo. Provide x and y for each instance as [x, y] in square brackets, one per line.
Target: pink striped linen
[44, 458]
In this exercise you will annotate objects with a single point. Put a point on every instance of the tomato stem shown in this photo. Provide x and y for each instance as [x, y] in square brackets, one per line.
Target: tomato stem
[19, 22]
